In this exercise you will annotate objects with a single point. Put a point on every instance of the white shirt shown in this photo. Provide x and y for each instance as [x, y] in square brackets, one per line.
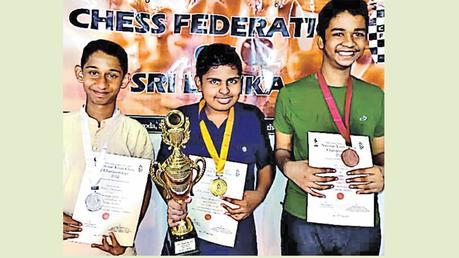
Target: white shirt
[129, 138]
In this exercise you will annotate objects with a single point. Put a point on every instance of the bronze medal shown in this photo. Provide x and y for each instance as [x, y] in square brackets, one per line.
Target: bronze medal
[218, 187]
[350, 157]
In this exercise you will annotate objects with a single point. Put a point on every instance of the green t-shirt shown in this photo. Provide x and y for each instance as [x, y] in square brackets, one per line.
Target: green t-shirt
[300, 108]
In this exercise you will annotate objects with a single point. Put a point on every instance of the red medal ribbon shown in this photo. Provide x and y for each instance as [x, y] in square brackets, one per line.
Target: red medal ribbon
[343, 128]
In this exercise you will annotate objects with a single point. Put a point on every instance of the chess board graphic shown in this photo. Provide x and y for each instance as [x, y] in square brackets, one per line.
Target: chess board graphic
[376, 34]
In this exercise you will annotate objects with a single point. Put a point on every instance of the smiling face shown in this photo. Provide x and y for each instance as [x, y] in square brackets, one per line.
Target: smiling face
[345, 40]
[220, 87]
[102, 79]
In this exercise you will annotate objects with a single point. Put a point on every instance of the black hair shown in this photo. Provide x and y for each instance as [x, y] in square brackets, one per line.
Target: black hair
[335, 7]
[215, 55]
[109, 48]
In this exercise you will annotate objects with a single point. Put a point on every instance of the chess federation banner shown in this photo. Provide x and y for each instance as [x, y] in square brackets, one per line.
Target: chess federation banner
[275, 39]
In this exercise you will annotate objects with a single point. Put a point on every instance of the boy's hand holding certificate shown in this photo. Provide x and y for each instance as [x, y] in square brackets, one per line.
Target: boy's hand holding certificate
[110, 200]
[342, 206]
[206, 211]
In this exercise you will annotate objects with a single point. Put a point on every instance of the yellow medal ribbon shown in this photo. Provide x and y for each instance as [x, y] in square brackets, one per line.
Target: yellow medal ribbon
[219, 160]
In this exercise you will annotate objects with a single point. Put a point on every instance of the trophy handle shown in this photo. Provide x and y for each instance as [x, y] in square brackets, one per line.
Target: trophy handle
[155, 172]
[200, 170]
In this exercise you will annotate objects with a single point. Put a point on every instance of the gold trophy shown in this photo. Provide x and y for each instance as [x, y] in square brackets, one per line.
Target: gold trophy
[176, 178]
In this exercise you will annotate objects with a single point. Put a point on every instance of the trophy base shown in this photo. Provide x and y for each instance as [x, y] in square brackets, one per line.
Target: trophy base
[181, 245]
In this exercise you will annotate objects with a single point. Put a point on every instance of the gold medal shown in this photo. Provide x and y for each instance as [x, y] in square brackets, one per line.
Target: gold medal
[218, 187]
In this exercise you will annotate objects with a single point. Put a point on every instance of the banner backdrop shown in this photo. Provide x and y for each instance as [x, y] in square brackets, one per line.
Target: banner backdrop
[276, 40]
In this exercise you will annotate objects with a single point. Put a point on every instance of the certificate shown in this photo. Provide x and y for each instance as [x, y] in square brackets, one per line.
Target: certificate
[342, 206]
[110, 200]
[205, 210]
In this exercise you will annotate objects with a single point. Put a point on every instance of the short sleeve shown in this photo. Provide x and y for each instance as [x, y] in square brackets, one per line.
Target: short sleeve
[379, 128]
[281, 122]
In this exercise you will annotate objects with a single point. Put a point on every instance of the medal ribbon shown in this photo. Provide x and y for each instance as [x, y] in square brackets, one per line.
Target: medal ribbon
[343, 128]
[219, 160]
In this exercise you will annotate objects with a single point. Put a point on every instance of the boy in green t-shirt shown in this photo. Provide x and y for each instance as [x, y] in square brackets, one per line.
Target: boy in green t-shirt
[301, 108]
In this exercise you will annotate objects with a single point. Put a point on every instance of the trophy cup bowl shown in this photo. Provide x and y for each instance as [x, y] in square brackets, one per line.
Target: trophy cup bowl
[175, 177]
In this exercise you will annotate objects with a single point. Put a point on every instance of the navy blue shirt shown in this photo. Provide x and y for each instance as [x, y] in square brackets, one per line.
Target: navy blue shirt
[249, 144]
